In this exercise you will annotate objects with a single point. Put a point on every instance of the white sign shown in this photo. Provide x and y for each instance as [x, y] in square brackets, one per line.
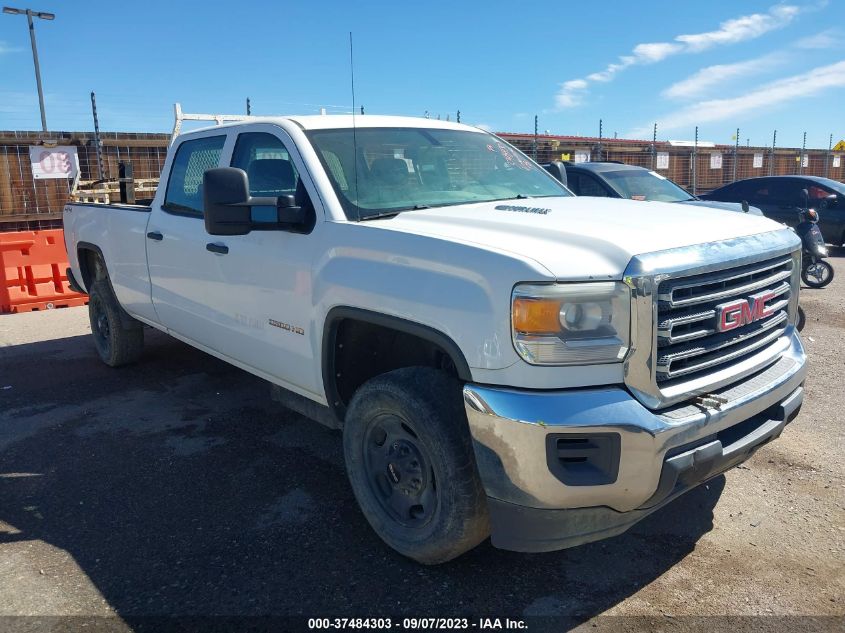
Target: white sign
[805, 160]
[582, 157]
[758, 161]
[662, 160]
[715, 161]
[53, 162]
[837, 160]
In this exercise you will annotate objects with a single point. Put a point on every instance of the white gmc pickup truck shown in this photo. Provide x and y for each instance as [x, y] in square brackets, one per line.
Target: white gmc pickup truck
[504, 359]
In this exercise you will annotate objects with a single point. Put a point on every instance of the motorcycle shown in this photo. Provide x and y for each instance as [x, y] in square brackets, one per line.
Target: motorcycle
[815, 272]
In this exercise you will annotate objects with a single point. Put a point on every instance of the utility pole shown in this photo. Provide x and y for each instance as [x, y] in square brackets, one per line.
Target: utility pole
[44, 16]
[248, 107]
[736, 153]
[534, 147]
[97, 142]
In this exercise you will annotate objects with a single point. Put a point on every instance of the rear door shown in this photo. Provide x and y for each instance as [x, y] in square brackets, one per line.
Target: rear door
[181, 270]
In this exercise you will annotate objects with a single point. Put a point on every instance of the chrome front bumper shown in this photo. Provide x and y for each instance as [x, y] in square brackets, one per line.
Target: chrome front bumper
[513, 430]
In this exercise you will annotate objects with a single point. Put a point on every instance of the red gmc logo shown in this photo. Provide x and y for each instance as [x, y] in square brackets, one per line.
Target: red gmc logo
[734, 314]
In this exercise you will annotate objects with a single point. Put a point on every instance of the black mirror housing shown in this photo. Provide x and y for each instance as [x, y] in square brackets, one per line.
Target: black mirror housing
[226, 201]
[228, 207]
[558, 170]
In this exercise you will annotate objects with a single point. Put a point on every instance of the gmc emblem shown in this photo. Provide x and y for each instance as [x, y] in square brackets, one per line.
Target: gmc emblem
[734, 314]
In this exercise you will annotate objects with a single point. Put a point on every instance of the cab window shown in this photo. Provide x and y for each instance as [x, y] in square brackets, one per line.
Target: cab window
[184, 186]
[267, 164]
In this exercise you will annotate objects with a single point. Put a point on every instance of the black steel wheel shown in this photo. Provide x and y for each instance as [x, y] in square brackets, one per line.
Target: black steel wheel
[411, 464]
[117, 342]
[399, 471]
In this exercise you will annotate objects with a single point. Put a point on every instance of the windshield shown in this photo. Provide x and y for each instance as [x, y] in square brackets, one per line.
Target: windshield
[645, 185]
[833, 184]
[399, 169]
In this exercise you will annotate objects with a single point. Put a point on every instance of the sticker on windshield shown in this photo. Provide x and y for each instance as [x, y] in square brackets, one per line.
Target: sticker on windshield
[517, 209]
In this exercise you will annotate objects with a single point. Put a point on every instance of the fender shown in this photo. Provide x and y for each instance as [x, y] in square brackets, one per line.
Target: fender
[126, 320]
[340, 313]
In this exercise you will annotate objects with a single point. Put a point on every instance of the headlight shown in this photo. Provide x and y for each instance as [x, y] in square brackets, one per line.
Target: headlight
[571, 324]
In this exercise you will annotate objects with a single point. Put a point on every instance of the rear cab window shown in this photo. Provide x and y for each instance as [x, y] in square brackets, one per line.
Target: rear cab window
[184, 185]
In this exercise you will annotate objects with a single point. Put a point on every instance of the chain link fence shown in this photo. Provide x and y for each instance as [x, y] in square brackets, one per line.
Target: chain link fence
[697, 169]
[33, 194]
[39, 172]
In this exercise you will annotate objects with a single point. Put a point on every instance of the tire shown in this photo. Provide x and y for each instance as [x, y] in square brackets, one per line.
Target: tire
[825, 271]
[411, 464]
[802, 319]
[117, 343]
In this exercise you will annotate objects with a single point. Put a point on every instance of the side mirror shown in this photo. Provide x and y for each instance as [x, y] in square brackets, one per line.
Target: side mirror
[225, 201]
[558, 170]
[230, 210]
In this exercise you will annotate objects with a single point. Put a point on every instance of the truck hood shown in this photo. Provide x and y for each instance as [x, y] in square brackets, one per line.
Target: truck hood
[578, 238]
[727, 206]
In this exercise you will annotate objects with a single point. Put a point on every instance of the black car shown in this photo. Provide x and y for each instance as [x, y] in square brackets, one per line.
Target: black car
[617, 180]
[781, 198]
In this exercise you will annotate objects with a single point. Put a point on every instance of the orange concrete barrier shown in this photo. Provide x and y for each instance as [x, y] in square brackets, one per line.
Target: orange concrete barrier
[33, 274]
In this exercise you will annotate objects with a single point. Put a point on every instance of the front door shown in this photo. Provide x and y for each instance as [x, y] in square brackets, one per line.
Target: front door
[262, 299]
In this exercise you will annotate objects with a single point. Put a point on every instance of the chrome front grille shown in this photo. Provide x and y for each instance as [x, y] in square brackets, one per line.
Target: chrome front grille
[689, 341]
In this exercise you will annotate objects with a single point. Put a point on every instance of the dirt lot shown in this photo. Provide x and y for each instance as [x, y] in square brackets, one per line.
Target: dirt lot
[175, 487]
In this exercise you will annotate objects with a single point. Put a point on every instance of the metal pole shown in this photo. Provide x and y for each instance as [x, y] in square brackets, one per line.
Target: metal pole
[772, 161]
[695, 164]
[601, 134]
[37, 69]
[248, 107]
[97, 142]
[534, 147]
[736, 154]
[654, 148]
[459, 116]
[803, 151]
[827, 161]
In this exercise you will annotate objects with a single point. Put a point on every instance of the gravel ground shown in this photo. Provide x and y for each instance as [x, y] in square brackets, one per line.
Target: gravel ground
[176, 487]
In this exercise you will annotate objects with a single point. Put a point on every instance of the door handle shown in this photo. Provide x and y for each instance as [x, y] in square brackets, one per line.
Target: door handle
[220, 249]
[155, 235]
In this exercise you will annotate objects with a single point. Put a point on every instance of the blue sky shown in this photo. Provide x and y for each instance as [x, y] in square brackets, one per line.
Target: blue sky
[756, 65]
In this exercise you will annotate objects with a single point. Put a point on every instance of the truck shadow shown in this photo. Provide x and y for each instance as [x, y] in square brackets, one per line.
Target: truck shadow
[179, 489]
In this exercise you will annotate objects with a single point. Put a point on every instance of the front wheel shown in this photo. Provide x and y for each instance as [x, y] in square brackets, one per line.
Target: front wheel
[817, 274]
[411, 464]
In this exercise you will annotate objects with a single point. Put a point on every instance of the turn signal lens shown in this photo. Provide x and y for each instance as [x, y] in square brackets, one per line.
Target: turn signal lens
[580, 323]
[536, 316]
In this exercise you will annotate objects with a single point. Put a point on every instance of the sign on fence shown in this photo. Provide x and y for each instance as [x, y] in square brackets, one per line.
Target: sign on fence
[758, 161]
[715, 161]
[837, 160]
[53, 162]
[662, 160]
[582, 157]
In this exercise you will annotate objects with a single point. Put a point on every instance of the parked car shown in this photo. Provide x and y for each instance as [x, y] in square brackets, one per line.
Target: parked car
[617, 180]
[503, 357]
[781, 198]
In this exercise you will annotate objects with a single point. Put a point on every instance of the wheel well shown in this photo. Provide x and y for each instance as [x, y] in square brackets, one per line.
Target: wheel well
[91, 266]
[357, 349]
